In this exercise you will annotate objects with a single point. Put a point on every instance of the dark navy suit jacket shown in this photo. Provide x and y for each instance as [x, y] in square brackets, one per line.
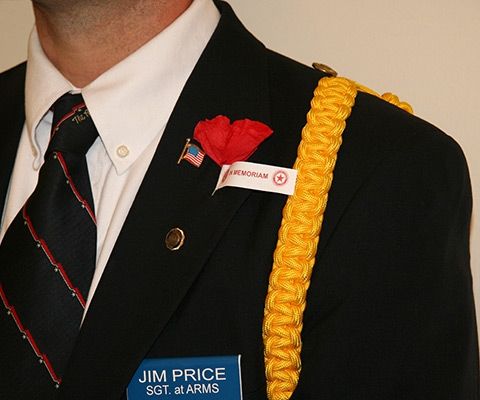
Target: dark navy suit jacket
[390, 312]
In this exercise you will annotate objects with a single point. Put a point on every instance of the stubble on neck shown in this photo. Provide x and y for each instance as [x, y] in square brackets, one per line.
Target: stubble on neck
[83, 39]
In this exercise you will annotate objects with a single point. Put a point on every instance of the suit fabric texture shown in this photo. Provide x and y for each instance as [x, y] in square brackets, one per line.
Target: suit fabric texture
[390, 312]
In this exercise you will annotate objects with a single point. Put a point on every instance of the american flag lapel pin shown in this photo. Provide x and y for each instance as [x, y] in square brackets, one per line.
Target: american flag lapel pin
[192, 153]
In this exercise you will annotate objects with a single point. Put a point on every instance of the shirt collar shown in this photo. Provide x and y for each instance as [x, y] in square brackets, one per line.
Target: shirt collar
[132, 101]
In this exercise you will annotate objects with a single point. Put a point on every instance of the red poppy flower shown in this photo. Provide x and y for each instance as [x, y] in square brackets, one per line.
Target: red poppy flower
[226, 143]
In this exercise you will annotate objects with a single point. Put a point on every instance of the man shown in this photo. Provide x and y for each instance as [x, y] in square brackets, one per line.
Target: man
[180, 272]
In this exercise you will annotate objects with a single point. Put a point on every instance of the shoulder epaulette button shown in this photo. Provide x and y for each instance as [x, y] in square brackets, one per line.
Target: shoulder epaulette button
[325, 69]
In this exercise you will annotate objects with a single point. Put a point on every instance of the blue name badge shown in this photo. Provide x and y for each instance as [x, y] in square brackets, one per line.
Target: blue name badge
[193, 378]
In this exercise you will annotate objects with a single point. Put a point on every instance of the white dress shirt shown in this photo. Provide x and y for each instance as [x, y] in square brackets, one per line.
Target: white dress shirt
[130, 105]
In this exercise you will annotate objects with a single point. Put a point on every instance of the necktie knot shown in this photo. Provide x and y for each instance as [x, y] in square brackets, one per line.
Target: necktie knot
[73, 130]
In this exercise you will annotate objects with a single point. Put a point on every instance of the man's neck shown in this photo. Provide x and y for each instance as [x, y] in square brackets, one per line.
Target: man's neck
[83, 39]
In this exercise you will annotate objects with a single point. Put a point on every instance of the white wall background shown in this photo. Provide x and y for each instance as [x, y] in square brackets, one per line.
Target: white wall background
[425, 51]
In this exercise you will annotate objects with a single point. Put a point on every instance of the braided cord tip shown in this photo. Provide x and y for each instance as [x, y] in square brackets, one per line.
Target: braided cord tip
[389, 97]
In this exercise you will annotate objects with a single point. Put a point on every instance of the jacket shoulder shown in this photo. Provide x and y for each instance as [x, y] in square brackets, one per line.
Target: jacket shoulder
[12, 94]
[13, 78]
[377, 133]
[373, 120]
[370, 114]
[400, 130]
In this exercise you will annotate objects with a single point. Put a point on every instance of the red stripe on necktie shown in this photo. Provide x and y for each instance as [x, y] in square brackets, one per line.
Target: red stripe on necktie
[27, 335]
[58, 267]
[77, 194]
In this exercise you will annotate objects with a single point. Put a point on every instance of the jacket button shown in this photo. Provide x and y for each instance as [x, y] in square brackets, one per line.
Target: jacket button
[174, 239]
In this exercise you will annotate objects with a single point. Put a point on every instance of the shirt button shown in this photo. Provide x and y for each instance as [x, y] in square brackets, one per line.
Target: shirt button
[122, 151]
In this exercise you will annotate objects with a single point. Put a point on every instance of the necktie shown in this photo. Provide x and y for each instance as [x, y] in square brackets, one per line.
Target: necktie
[47, 259]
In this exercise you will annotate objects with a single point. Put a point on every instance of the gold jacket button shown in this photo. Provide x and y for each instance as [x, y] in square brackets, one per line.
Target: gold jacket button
[174, 239]
[325, 69]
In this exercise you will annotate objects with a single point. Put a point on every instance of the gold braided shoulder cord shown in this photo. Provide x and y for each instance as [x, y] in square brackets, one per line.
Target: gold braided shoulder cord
[299, 232]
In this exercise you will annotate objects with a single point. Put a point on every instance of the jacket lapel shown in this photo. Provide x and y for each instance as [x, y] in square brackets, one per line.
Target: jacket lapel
[144, 282]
